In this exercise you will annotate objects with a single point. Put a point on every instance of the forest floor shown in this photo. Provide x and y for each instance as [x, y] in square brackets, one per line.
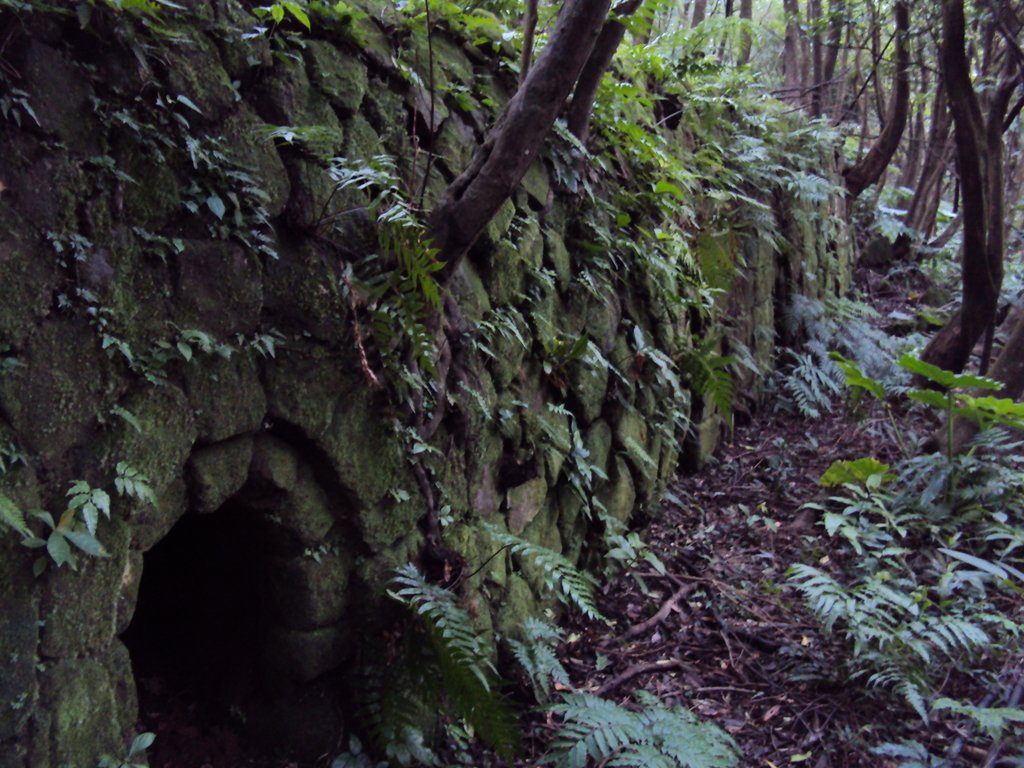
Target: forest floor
[720, 632]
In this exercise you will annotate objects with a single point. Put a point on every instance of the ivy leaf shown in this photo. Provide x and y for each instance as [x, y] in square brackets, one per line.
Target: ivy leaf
[91, 517]
[216, 206]
[86, 542]
[277, 12]
[296, 10]
[57, 547]
[102, 501]
[141, 743]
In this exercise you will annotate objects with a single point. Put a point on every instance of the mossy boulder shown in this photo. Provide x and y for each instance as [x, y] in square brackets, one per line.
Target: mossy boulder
[30, 278]
[366, 454]
[82, 701]
[226, 395]
[195, 73]
[246, 143]
[516, 605]
[217, 472]
[81, 605]
[19, 623]
[525, 502]
[61, 384]
[301, 291]
[59, 93]
[310, 591]
[619, 495]
[218, 289]
[298, 656]
[340, 77]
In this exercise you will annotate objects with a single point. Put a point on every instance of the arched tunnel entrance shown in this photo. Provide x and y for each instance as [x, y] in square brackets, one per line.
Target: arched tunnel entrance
[240, 628]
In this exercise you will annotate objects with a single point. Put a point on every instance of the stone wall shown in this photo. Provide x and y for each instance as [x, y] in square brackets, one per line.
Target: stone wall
[168, 301]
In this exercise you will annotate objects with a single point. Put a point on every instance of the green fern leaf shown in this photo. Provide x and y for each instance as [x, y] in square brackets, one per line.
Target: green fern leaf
[569, 584]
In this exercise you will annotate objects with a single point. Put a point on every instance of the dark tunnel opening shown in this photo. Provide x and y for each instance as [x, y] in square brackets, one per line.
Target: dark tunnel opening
[196, 638]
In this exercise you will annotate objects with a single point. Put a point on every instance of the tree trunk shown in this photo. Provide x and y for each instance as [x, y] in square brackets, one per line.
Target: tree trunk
[529, 30]
[915, 141]
[870, 168]
[578, 119]
[725, 34]
[699, 10]
[817, 81]
[746, 37]
[791, 52]
[924, 205]
[979, 149]
[515, 139]
[836, 22]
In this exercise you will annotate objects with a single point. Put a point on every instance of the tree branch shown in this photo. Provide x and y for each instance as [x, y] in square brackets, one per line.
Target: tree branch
[512, 144]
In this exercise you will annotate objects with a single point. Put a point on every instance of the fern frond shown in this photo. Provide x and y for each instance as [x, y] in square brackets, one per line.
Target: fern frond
[467, 675]
[536, 655]
[709, 373]
[602, 731]
[12, 516]
[569, 584]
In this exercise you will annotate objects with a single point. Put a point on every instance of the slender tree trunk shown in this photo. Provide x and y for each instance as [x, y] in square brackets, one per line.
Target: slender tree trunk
[817, 83]
[870, 168]
[529, 30]
[936, 161]
[836, 22]
[725, 35]
[608, 41]
[791, 52]
[839, 94]
[700, 8]
[915, 141]
[500, 163]
[746, 37]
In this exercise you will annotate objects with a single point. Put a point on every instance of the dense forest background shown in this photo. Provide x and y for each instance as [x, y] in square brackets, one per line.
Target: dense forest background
[350, 353]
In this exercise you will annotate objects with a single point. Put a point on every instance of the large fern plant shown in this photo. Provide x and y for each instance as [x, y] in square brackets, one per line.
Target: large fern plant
[443, 666]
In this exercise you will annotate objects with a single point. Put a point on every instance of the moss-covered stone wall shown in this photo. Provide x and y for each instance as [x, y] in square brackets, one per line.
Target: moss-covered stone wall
[168, 301]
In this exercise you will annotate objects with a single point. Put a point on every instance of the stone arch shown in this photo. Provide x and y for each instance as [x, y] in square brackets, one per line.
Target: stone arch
[245, 601]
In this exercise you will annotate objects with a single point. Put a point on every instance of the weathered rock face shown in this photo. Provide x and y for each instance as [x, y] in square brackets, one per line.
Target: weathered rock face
[169, 301]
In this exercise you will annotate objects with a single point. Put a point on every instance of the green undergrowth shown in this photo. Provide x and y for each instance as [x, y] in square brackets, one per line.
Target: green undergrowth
[684, 151]
[926, 590]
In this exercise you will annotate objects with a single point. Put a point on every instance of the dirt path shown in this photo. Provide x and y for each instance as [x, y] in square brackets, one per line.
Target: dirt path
[721, 633]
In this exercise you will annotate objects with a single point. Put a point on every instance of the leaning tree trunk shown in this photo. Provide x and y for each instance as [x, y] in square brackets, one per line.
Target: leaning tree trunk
[979, 149]
[500, 163]
[578, 118]
[871, 167]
